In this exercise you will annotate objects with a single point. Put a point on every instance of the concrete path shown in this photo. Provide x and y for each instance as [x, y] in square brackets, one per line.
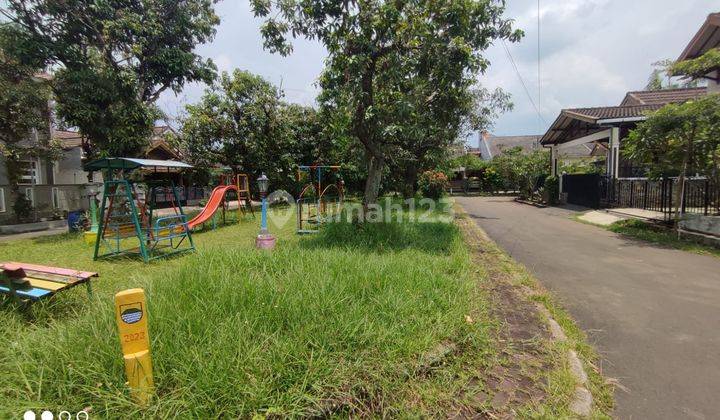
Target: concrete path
[652, 313]
[602, 218]
[34, 234]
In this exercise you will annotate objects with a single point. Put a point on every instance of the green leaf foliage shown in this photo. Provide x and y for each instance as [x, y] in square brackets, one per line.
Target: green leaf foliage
[114, 59]
[24, 118]
[521, 170]
[397, 73]
[698, 67]
[243, 123]
[679, 139]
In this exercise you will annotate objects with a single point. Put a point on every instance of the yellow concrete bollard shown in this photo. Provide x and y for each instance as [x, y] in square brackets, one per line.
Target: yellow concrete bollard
[131, 316]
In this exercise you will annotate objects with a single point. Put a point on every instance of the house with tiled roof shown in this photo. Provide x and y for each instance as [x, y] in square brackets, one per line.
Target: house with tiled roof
[605, 127]
[69, 168]
[706, 39]
[663, 96]
[601, 128]
[55, 187]
[490, 145]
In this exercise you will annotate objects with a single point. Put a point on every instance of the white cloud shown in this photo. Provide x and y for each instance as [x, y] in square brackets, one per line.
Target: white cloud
[593, 51]
[223, 63]
[566, 77]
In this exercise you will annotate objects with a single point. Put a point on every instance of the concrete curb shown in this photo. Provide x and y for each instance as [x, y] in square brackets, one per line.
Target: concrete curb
[582, 400]
[581, 404]
[530, 203]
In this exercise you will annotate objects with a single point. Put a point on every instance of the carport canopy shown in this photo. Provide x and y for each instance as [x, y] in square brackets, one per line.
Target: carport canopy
[578, 126]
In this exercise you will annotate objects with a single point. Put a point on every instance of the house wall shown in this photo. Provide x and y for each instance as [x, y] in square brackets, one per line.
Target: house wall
[68, 169]
[714, 85]
[50, 201]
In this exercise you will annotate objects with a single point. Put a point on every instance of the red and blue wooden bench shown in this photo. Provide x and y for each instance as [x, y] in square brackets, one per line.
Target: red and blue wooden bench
[30, 282]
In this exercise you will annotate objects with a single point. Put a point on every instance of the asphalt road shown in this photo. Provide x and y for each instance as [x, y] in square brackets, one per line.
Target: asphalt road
[652, 313]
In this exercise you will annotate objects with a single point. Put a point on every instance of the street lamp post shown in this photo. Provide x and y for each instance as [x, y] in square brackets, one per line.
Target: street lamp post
[91, 235]
[264, 239]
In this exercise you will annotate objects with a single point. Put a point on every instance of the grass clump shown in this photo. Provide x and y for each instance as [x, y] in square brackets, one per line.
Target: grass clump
[661, 235]
[332, 324]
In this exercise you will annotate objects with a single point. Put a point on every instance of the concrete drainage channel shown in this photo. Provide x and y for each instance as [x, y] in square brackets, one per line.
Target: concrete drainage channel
[582, 399]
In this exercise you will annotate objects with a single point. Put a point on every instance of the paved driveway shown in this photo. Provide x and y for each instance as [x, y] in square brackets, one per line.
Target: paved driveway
[652, 313]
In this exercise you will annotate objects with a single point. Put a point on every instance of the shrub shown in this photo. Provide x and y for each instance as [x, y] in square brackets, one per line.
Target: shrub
[551, 189]
[432, 184]
[22, 208]
[492, 181]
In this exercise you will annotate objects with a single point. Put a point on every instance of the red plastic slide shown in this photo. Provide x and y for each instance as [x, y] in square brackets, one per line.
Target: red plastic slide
[214, 203]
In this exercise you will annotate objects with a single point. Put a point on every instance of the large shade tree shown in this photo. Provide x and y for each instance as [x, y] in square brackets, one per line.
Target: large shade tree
[439, 123]
[375, 47]
[113, 59]
[241, 122]
[24, 116]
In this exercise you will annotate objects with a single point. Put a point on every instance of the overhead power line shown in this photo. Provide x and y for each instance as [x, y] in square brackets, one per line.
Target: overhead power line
[538, 65]
[522, 81]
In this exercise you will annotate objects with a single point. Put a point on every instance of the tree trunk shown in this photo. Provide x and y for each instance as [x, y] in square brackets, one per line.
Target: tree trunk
[681, 179]
[410, 180]
[372, 184]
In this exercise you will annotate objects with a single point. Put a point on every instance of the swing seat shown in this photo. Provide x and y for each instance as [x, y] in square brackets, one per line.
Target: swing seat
[167, 228]
[120, 231]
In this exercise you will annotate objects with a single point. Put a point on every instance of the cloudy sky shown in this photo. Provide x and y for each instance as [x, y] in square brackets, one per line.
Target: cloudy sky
[592, 52]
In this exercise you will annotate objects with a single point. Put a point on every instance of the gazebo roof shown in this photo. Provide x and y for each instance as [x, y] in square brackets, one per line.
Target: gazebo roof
[134, 163]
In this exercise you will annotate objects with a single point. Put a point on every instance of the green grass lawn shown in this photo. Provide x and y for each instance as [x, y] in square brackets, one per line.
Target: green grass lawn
[331, 324]
[661, 235]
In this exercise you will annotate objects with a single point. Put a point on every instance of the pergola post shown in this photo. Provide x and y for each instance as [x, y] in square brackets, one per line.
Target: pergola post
[613, 160]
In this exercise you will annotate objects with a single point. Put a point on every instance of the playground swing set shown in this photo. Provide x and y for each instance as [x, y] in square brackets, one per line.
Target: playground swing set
[321, 198]
[126, 223]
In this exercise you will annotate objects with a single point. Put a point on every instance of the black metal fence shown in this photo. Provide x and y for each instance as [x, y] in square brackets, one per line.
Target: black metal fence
[699, 195]
[164, 196]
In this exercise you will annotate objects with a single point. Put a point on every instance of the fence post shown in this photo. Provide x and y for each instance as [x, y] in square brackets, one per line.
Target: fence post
[684, 194]
[707, 196]
[632, 193]
[645, 194]
[670, 198]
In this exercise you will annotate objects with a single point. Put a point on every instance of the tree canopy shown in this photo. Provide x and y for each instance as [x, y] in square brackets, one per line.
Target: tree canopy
[679, 139]
[24, 116]
[662, 76]
[113, 58]
[698, 67]
[241, 122]
[390, 63]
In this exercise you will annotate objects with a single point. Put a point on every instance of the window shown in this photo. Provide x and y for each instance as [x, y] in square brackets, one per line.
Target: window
[2, 200]
[30, 195]
[29, 172]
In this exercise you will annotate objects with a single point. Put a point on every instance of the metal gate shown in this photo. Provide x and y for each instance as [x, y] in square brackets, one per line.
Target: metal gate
[582, 189]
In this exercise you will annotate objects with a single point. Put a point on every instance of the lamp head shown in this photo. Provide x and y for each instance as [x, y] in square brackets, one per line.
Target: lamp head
[263, 182]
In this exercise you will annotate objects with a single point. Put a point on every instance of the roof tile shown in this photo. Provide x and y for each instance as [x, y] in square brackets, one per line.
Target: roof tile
[665, 96]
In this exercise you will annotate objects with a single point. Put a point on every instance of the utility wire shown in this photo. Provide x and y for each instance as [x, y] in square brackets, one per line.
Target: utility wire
[538, 66]
[522, 81]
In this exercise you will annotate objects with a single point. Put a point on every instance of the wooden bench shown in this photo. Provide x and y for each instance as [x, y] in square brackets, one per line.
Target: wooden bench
[30, 282]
